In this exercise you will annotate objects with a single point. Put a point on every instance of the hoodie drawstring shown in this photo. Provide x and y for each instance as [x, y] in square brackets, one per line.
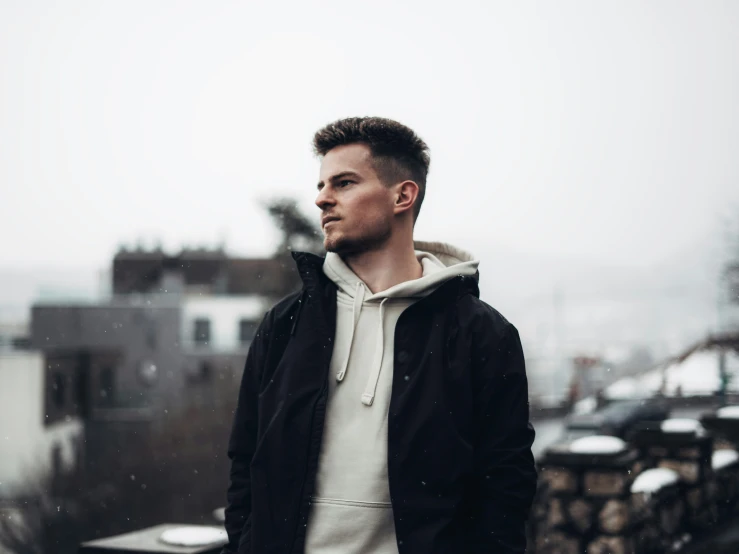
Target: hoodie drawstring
[356, 311]
[368, 397]
[369, 392]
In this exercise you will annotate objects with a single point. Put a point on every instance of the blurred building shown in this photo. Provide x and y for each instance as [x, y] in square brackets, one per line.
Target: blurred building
[118, 359]
[13, 336]
[203, 271]
[728, 303]
[173, 334]
[35, 432]
[172, 321]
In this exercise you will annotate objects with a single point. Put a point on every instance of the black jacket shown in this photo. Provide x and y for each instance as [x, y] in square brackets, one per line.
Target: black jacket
[461, 471]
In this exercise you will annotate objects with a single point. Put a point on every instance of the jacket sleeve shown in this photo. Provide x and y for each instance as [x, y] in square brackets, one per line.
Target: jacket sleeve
[504, 472]
[242, 442]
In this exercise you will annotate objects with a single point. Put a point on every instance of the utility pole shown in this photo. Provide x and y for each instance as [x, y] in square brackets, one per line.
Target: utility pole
[723, 375]
[558, 328]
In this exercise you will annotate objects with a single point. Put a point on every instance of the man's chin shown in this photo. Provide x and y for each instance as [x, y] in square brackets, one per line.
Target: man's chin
[352, 247]
[334, 246]
[342, 247]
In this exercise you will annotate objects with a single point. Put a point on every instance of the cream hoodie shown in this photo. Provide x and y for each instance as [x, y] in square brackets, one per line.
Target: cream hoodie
[351, 511]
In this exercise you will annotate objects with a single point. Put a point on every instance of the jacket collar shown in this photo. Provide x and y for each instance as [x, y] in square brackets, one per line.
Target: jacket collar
[310, 268]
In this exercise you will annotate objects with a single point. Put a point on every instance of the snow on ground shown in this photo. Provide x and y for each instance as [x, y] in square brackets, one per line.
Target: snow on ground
[652, 480]
[723, 458]
[681, 425]
[193, 535]
[728, 412]
[598, 444]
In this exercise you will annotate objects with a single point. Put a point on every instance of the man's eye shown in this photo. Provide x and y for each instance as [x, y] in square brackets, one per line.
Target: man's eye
[345, 182]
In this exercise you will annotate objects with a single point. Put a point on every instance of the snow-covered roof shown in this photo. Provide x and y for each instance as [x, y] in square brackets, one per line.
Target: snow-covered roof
[193, 535]
[723, 458]
[597, 444]
[728, 412]
[652, 480]
[699, 374]
[696, 375]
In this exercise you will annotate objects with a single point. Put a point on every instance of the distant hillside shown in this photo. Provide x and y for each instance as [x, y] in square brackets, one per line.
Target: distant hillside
[663, 306]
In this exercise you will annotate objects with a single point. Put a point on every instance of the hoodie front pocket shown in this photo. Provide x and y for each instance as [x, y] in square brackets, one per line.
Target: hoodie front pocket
[338, 526]
[352, 503]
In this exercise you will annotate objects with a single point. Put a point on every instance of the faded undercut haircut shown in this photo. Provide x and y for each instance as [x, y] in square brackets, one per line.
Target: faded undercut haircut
[398, 154]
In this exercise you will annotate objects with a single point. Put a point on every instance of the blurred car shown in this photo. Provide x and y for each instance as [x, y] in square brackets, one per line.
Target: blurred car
[617, 418]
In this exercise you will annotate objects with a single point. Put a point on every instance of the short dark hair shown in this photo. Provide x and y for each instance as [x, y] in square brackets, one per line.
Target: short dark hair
[398, 153]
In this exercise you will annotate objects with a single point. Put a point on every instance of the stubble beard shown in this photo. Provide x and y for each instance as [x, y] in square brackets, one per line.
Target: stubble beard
[352, 246]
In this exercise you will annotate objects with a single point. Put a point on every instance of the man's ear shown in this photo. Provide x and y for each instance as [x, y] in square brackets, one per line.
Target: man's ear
[406, 194]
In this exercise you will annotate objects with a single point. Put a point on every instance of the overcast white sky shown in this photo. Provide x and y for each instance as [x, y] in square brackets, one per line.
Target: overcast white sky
[601, 130]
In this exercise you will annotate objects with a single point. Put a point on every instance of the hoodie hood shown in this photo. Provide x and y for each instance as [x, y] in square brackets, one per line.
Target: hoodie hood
[440, 262]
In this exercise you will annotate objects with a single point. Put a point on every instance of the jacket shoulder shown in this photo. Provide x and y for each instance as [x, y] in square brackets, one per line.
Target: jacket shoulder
[277, 320]
[480, 318]
[273, 332]
[495, 343]
[285, 307]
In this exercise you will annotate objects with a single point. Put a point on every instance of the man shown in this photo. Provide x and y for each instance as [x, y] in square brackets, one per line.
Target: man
[384, 407]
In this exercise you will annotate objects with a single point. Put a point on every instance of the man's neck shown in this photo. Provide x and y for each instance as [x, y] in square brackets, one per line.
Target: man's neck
[386, 267]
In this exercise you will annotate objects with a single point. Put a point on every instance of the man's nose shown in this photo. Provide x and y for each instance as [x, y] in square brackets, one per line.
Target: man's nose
[325, 198]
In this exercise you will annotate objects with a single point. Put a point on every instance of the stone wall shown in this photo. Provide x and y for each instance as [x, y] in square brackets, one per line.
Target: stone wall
[587, 502]
[689, 454]
[671, 484]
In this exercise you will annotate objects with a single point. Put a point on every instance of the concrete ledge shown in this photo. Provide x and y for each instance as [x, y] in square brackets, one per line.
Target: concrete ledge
[146, 541]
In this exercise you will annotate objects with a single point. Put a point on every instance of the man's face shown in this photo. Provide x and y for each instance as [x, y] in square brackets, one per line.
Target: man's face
[356, 207]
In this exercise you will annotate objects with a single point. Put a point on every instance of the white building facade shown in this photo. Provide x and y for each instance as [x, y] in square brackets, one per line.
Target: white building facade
[29, 446]
[220, 323]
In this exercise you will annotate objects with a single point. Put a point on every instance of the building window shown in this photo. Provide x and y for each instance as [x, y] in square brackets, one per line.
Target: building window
[57, 389]
[247, 328]
[202, 331]
[21, 343]
[151, 339]
[201, 372]
[206, 372]
[82, 398]
[57, 464]
[107, 384]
